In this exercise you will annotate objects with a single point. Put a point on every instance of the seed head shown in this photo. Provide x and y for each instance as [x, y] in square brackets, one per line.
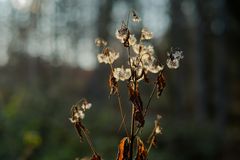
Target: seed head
[108, 56]
[122, 34]
[85, 105]
[121, 73]
[132, 40]
[100, 42]
[146, 34]
[174, 56]
[135, 17]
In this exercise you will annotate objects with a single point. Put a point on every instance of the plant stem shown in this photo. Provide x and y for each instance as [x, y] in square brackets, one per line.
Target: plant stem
[146, 109]
[120, 106]
[150, 146]
[149, 100]
[89, 142]
[132, 132]
[121, 112]
[128, 17]
[153, 134]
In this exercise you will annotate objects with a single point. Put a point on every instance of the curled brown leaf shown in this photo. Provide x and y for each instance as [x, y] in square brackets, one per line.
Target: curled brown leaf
[79, 127]
[124, 149]
[136, 100]
[141, 150]
[161, 83]
[112, 82]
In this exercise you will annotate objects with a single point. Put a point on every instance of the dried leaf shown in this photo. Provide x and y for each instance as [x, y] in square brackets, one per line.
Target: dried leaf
[161, 83]
[96, 157]
[137, 102]
[124, 149]
[138, 116]
[135, 97]
[112, 82]
[141, 151]
[79, 127]
[77, 115]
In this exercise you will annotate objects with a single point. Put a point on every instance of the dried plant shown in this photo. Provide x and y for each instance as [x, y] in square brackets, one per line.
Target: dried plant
[141, 63]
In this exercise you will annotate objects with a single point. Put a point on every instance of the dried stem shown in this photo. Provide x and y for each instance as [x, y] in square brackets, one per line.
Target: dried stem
[150, 146]
[149, 100]
[133, 122]
[151, 96]
[88, 140]
[128, 17]
[132, 132]
[153, 134]
[120, 107]
[148, 104]
[121, 112]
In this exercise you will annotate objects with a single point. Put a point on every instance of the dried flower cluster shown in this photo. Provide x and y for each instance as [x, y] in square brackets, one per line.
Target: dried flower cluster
[121, 73]
[108, 56]
[142, 61]
[78, 111]
[174, 56]
[135, 17]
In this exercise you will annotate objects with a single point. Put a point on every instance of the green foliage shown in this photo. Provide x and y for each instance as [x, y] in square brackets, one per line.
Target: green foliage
[14, 104]
[31, 138]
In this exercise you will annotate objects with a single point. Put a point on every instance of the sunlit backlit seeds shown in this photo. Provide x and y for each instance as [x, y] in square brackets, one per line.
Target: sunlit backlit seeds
[135, 17]
[146, 34]
[132, 40]
[123, 33]
[137, 48]
[121, 73]
[172, 64]
[86, 106]
[143, 49]
[174, 57]
[78, 110]
[108, 56]
[158, 129]
[154, 68]
[100, 42]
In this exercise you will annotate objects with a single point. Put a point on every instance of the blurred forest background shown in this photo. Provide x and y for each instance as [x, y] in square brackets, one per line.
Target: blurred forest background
[48, 62]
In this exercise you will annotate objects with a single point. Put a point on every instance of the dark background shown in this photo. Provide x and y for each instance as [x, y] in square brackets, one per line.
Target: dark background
[48, 62]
